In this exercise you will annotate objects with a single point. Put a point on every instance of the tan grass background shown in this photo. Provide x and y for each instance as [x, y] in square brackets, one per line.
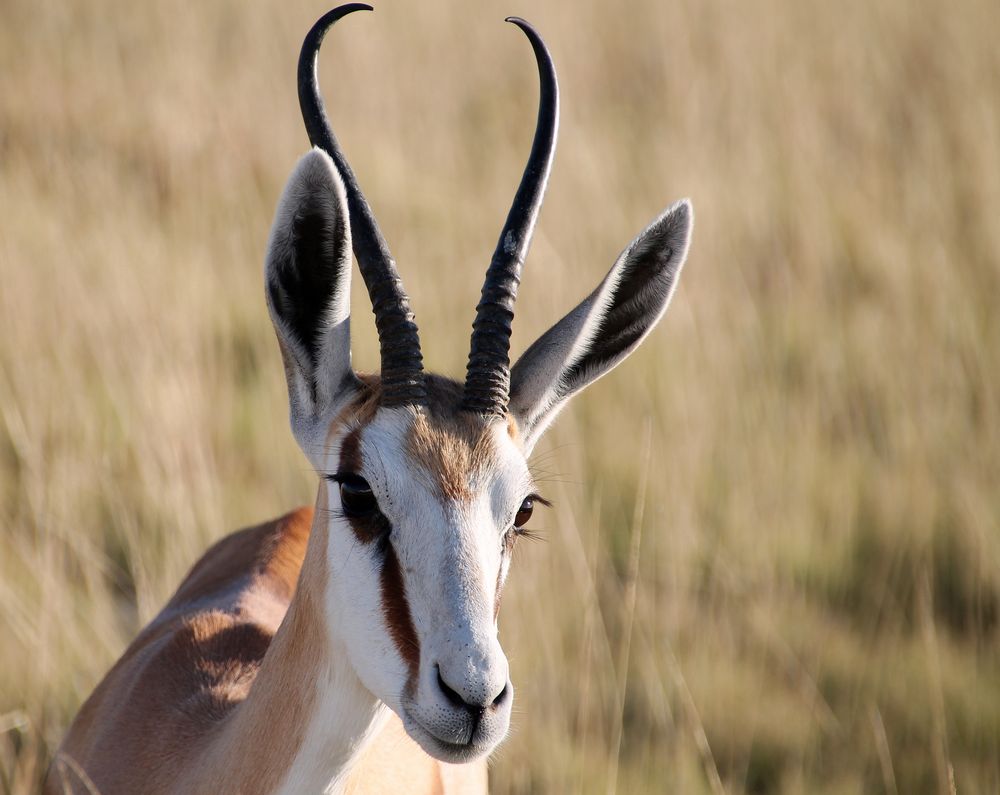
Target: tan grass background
[774, 565]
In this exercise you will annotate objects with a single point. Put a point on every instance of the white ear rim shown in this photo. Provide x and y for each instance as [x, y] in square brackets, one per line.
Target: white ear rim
[314, 180]
[585, 320]
[682, 212]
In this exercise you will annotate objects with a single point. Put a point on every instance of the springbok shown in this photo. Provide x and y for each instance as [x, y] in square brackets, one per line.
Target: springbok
[353, 647]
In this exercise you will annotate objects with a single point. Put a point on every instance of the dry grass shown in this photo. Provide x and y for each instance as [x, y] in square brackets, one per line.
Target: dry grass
[805, 597]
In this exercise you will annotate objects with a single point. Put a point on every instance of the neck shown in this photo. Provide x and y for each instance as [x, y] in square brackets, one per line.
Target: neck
[344, 717]
[307, 718]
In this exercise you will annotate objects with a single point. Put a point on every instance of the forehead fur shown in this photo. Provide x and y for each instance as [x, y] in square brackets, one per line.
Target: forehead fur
[451, 445]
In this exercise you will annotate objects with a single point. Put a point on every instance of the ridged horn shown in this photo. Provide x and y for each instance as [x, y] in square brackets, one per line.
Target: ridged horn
[487, 380]
[402, 363]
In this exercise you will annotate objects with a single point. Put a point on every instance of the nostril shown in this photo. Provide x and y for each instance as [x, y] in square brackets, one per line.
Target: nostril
[501, 696]
[448, 691]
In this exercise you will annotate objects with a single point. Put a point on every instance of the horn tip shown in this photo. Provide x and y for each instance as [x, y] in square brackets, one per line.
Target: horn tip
[339, 12]
[315, 36]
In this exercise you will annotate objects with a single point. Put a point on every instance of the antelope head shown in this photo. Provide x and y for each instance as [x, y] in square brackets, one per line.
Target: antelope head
[425, 483]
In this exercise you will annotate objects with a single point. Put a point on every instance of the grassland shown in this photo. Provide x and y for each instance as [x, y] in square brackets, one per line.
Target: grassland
[774, 564]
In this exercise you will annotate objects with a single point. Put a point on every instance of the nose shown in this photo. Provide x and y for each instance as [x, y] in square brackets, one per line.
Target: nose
[474, 699]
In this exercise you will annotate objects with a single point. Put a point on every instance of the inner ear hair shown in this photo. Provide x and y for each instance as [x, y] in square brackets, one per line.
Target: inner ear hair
[604, 328]
[307, 277]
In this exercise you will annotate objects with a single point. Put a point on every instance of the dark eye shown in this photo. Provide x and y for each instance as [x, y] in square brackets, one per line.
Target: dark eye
[524, 512]
[356, 496]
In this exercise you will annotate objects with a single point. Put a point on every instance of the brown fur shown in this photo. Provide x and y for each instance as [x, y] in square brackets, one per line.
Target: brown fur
[514, 431]
[396, 610]
[452, 446]
[350, 462]
[212, 697]
[350, 452]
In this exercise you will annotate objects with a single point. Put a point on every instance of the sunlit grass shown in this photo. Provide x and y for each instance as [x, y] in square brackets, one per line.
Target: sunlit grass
[804, 595]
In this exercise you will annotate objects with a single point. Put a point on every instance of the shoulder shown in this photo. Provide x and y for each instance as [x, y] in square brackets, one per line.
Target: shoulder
[268, 554]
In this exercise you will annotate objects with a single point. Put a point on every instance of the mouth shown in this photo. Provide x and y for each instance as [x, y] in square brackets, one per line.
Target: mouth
[444, 750]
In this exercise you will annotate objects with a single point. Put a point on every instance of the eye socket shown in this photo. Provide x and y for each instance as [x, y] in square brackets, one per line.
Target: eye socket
[524, 512]
[356, 497]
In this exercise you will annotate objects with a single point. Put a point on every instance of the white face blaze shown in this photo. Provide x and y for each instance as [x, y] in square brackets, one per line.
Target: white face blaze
[414, 601]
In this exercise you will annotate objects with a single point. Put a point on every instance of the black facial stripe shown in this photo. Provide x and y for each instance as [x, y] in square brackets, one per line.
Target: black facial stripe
[350, 452]
[366, 528]
[396, 610]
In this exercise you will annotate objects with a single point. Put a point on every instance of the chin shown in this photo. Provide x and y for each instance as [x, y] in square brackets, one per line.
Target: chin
[451, 753]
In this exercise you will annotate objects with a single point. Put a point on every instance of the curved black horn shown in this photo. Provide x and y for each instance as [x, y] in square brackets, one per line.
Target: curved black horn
[487, 380]
[402, 364]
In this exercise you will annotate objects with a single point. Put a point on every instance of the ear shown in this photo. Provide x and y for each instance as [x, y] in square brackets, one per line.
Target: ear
[605, 328]
[308, 278]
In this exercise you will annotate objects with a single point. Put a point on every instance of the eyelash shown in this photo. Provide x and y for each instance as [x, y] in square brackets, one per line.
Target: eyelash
[522, 530]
